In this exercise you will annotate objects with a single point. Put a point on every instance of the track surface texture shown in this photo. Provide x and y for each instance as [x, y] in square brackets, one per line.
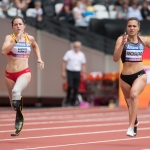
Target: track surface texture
[74, 128]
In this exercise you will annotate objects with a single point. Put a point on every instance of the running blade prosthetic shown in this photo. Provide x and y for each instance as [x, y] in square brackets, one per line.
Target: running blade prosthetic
[19, 118]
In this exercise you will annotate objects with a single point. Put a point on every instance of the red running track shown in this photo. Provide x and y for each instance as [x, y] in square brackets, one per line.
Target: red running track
[95, 128]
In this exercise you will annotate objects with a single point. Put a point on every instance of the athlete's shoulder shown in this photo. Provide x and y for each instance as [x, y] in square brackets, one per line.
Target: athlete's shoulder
[31, 38]
[119, 39]
[144, 39]
[8, 38]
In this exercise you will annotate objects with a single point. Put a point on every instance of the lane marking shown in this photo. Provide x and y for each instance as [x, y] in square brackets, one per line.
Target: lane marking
[68, 112]
[76, 144]
[71, 134]
[77, 126]
[66, 115]
[73, 121]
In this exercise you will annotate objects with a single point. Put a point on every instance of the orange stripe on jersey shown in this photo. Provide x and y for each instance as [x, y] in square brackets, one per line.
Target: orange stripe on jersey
[25, 36]
[13, 36]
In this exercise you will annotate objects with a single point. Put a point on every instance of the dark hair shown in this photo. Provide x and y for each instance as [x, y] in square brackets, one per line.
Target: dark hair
[134, 18]
[17, 17]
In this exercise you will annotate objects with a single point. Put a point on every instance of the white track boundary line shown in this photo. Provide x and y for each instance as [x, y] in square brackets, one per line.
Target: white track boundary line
[69, 109]
[71, 134]
[66, 115]
[74, 127]
[75, 121]
[76, 144]
[73, 112]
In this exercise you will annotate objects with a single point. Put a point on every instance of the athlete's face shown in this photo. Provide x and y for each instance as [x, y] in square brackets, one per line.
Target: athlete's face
[18, 26]
[133, 27]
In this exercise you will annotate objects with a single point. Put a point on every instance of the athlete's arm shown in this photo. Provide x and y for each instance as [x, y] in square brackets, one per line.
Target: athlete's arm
[36, 50]
[146, 41]
[119, 47]
[7, 45]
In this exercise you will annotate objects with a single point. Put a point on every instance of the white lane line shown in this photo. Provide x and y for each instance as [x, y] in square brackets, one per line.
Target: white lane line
[75, 120]
[66, 115]
[68, 109]
[73, 112]
[74, 127]
[71, 134]
[76, 144]
[79, 121]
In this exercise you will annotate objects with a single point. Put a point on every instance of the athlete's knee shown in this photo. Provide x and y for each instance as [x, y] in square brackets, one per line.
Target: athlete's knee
[134, 95]
[16, 94]
[16, 104]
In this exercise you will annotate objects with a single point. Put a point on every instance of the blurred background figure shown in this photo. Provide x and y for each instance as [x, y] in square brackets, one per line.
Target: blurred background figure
[117, 4]
[38, 11]
[145, 10]
[5, 5]
[78, 17]
[72, 66]
[134, 10]
[122, 11]
[67, 10]
[22, 5]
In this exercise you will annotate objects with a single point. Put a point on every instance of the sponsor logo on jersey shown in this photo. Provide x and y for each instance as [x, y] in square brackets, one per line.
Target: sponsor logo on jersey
[134, 53]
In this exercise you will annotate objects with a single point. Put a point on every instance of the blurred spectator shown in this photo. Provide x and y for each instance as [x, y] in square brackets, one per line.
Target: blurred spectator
[122, 11]
[73, 64]
[38, 10]
[78, 17]
[67, 10]
[117, 4]
[89, 13]
[5, 6]
[104, 2]
[82, 5]
[145, 10]
[134, 10]
[22, 5]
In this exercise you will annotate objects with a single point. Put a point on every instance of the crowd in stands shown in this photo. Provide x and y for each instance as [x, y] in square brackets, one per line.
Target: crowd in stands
[77, 12]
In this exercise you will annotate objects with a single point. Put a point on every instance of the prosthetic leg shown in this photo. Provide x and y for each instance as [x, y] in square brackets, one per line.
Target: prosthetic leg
[18, 105]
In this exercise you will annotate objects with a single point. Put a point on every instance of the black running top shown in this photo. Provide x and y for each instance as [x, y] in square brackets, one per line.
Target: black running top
[133, 52]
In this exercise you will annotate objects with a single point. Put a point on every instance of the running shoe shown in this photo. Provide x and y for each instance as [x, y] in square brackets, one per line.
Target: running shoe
[135, 128]
[130, 132]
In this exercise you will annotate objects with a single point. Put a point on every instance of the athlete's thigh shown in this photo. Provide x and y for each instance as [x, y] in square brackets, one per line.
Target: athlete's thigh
[26, 75]
[125, 88]
[9, 84]
[22, 81]
[139, 84]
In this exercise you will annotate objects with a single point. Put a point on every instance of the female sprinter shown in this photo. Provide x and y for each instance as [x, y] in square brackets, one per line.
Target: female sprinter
[16, 47]
[133, 79]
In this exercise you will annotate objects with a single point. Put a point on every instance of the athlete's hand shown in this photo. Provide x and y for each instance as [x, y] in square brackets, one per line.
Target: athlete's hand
[41, 64]
[124, 38]
[20, 34]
